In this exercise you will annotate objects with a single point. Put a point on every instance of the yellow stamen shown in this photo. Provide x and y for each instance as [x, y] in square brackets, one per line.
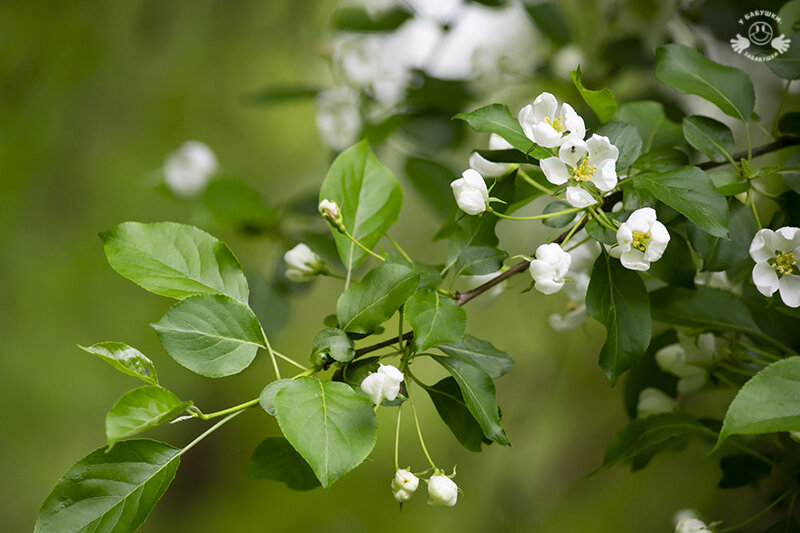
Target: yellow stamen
[571, 306]
[641, 240]
[584, 172]
[784, 262]
[557, 123]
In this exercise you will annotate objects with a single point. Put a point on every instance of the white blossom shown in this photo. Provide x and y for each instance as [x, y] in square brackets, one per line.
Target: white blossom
[548, 128]
[686, 521]
[188, 169]
[642, 239]
[583, 258]
[470, 192]
[442, 491]
[580, 163]
[385, 383]
[488, 168]
[302, 264]
[775, 254]
[330, 211]
[549, 268]
[653, 401]
[404, 485]
[687, 360]
[338, 118]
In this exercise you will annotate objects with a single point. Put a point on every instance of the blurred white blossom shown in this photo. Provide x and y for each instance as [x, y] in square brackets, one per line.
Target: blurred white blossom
[653, 402]
[490, 169]
[188, 169]
[688, 360]
[580, 269]
[338, 118]
[302, 264]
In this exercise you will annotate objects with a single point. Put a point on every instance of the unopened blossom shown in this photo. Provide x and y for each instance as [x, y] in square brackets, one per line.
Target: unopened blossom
[302, 264]
[470, 192]
[330, 211]
[642, 239]
[549, 268]
[688, 360]
[580, 164]
[404, 485]
[546, 125]
[385, 383]
[188, 169]
[653, 402]
[776, 254]
[338, 118]
[488, 168]
[442, 491]
[583, 258]
[686, 521]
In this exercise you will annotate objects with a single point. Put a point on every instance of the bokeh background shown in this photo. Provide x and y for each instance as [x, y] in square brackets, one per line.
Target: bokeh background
[93, 95]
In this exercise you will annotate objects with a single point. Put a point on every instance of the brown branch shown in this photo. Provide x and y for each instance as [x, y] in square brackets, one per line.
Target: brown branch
[781, 142]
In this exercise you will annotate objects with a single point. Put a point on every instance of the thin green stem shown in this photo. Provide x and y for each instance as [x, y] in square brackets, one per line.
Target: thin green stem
[575, 245]
[399, 248]
[290, 360]
[397, 439]
[419, 431]
[751, 203]
[756, 349]
[759, 514]
[229, 410]
[602, 219]
[537, 217]
[533, 183]
[271, 355]
[736, 370]
[579, 224]
[330, 274]
[749, 142]
[208, 432]
[357, 243]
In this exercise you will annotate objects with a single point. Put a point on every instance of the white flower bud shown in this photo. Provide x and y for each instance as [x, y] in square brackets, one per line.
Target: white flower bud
[686, 521]
[188, 169]
[385, 383]
[442, 491]
[404, 485]
[549, 268]
[652, 402]
[470, 192]
[330, 211]
[302, 264]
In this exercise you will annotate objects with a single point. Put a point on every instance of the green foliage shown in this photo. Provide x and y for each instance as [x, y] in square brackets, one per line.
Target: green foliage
[719, 253]
[141, 409]
[655, 129]
[702, 308]
[602, 102]
[481, 354]
[126, 359]
[449, 402]
[496, 118]
[334, 343]
[787, 65]
[627, 140]
[267, 397]
[479, 260]
[436, 319]
[274, 459]
[709, 137]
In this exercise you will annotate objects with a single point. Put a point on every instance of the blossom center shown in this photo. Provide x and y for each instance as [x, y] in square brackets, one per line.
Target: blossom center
[584, 172]
[557, 123]
[784, 262]
[641, 240]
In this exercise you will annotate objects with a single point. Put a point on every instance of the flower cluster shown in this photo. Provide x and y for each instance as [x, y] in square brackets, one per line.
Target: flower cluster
[688, 360]
[775, 254]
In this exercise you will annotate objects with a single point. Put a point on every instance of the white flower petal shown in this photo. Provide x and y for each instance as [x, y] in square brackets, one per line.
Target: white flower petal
[373, 386]
[786, 238]
[544, 106]
[605, 175]
[761, 247]
[624, 237]
[570, 321]
[573, 122]
[442, 491]
[545, 135]
[642, 219]
[554, 170]
[470, 192]
[652, 402]
[527, 121]
[765, 279]
[578, 197]
[496, 142]
[487, 168]
[600, 149]
[658, 243]
[634, 260]
[572, 151]
[790, 290]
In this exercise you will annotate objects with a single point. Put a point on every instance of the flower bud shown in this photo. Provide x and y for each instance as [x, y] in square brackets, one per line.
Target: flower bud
[652, 402]
[404, 485]
[385, 383]
[442, 491]
[470, 192]
[302, 264]
[330, 211]
[686, 521]
[188, 169]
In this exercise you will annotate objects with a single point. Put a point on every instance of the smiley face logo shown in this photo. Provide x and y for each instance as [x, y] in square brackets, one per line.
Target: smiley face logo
[760, 33]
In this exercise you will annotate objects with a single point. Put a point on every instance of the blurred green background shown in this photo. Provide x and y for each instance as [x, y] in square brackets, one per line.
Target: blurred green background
[92, 98]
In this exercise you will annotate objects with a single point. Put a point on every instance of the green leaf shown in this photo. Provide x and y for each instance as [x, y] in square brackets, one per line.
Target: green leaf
[721, 254]
[789, 124]
[689, 191]
[367, 305]
[709, 137]
[477, 389]
[703, 308]
[110, 491]
[787, 65]
[742, 470]
[481, 354]
[449, 403]
[729, 183]
[600, 233]
[141, 409]
[690, 72]
[334, 343]
[496, 118]
[676, 266]
[642, 439]
[267, 397]
[661, 160]
[357, 19]
[369, 197]
[230, 203]
[602, 102]
[174, 260]
[126, 359]
[558, 221]
[331, 426]
[617, 298]
[479, 260]
[211, 334]
[435, 318]
[655, 129]
[627, 140]
[274, 459]
[281, 94]
[769, 402]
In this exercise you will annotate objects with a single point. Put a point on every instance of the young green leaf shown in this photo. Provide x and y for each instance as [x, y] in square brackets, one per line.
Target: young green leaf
[365, 306]
[689, 191]
[110, 491]
[627, 140]
[769, 402]
[449, 403]
[602, 102]
[649, 119]
[126, 359]
[174, 260]
[274, 459]
[211, 334]
[496, 118]
[702, 308]
[690, 72]
[141, 409]
[435, 318]
[334, 343]
[369, 197]
[478, 392]
[479, 260]
[708, 136]
[330, 426]
[481, 354]
[617, 298]
[267, 397]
